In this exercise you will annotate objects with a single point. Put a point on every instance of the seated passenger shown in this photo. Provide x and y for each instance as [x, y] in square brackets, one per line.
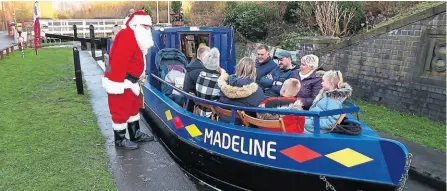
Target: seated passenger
[193, 70]
[288, 101]
[240, 88]
[310, 80]
[206, 86]
[272, 82]
[331, 97]
[264, 63]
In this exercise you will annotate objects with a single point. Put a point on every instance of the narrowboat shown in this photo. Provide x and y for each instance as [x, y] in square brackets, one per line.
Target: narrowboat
[233, 157]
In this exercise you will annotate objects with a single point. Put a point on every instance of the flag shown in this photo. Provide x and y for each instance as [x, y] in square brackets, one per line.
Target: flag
[36, 11]
[37, 34]
[36, 15]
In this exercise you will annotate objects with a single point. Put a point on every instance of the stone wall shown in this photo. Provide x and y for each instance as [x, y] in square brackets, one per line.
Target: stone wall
[401, 65]
[403, 69]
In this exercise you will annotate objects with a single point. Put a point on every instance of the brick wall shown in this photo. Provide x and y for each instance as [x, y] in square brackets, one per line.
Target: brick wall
[403, 69]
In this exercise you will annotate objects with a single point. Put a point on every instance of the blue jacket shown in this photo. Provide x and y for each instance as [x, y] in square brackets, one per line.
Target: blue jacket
[280, 75]
[329, 100]
[264, 68]
[240, 92]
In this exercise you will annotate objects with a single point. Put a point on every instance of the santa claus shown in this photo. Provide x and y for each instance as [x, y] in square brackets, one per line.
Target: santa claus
[127, 65]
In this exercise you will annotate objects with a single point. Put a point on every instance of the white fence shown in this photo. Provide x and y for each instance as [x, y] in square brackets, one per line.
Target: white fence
[65, 26]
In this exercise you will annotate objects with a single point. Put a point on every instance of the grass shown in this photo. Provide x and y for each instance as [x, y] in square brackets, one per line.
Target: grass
[49, 137]
[422, 6]
[420, 130]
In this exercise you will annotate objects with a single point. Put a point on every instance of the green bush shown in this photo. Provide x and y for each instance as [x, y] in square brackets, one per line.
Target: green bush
[359, 14]
[299, 12]
[176, 6]
[148, 10]
[250, 19]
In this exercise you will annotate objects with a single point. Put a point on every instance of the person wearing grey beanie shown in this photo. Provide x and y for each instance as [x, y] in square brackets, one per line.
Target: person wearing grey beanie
[211, 60]
[206, 86]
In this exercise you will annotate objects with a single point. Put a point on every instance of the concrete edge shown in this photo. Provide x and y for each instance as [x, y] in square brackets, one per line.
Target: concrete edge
[427, 178]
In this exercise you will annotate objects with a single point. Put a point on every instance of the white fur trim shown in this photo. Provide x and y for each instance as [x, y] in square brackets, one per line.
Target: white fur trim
[124, 22]
[134, 118]
[118, 87]
[112, 87]
[119, 126]
[134, 87]
[141, 19]
[144, 70]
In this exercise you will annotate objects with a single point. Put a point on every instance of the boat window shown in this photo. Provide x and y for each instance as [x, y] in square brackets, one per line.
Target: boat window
[190, 42]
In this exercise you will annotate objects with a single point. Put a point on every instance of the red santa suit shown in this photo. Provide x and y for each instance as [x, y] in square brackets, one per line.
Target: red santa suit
[127, 65]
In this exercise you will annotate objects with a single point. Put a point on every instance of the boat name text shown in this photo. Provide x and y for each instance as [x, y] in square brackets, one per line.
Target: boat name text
[239, 144]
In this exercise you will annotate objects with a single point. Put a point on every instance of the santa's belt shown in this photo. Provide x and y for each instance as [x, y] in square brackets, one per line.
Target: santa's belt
[131, 78]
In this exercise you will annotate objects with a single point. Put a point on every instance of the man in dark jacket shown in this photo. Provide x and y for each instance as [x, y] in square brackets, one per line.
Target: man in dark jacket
[272, 82]
[193, 70]
[264, 63]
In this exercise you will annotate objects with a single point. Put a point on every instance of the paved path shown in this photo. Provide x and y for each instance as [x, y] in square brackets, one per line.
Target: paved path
[5, 40]
[150, 167]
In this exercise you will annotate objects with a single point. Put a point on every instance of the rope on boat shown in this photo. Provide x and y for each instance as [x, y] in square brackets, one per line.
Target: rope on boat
[348, 129]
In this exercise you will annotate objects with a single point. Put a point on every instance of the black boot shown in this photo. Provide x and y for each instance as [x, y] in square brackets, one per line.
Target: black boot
[122, 142]
[136, 135]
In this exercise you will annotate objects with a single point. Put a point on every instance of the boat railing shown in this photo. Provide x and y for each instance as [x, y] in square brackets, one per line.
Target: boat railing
[350, 107]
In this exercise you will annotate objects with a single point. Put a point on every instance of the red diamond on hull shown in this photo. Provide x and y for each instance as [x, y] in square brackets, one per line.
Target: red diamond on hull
[300, 153]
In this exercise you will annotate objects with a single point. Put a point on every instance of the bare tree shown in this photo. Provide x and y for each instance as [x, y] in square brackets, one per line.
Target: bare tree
[328, 15]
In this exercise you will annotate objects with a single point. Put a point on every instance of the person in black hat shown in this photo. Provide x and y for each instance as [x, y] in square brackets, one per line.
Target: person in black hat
[272, 82]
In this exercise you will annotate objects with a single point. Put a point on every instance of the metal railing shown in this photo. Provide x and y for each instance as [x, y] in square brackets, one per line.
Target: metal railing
[351, 107]
[65, 26]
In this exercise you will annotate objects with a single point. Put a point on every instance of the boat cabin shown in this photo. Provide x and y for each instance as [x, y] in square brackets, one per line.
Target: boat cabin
[188, 40]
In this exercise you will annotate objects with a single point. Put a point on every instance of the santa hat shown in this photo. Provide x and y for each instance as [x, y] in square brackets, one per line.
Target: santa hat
[290, 88]
[138, 18]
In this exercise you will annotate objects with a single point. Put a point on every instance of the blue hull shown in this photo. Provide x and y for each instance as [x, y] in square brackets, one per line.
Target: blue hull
[233, 157]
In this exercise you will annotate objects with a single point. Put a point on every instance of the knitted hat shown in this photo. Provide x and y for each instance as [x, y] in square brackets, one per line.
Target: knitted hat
[139, 17]
[290, 87]
[211, 60]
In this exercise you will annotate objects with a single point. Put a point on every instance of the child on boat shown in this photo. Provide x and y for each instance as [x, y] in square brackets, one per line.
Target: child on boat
[331, 97]
[293, 124]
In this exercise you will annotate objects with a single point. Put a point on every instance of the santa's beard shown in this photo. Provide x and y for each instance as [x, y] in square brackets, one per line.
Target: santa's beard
[144, 38]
